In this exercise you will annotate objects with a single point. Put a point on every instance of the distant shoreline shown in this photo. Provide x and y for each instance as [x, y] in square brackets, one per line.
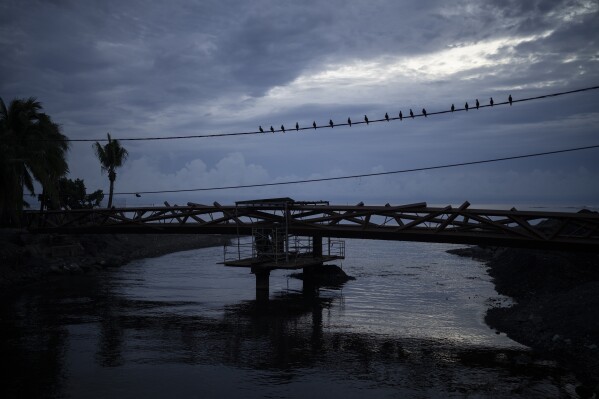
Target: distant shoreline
[29, 258]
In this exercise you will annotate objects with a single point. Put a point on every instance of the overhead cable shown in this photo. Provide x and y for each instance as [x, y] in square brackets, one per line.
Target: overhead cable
[538, 154]
[349, 123]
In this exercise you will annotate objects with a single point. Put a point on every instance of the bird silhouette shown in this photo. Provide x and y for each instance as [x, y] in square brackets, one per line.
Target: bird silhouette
[366, 119]
[296, 126]
[452, 107]
[424, 112]
[477, 104]
[387, 117]
[272, 129]
[466, 106]
[411, 113]
[349, 122]
[331, 123]
[400, 116]
[283, 128]
[137, 195]
[491, 101]
[314, 125]
[510, 99]
[261, 130]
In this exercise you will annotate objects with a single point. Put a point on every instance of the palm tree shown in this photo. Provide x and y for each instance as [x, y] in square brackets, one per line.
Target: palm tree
[52, 166]
[32, 148]
[111, 156]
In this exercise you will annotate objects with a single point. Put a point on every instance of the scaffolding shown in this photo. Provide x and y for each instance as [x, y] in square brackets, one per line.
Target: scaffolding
[272, 244]
[275, 246]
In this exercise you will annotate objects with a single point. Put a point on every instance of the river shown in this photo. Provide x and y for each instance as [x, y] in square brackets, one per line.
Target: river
[183, 325]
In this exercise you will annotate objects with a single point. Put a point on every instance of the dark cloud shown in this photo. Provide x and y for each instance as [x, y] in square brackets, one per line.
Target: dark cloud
[144, 69]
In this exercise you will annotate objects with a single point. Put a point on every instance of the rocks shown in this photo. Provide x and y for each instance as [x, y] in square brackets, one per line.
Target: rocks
[477, 252]
[556, 310]
[556, 338]
[325, 275]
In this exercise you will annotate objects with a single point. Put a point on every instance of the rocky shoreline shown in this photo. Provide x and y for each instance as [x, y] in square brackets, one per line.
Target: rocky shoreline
[28, 258]
[556, 309]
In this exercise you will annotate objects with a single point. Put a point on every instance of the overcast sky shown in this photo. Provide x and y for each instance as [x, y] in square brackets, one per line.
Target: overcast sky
[148, 69]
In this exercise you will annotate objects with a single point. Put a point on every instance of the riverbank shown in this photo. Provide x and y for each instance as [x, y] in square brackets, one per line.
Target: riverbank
[27, 258]
[556, 309]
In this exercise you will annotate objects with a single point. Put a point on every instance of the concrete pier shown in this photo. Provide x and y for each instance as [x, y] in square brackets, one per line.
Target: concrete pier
[317, 246]
[262, 283]
[308, 283]
[305, 254]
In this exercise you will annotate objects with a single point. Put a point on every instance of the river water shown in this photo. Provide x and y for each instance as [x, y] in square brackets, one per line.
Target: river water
[182, 325]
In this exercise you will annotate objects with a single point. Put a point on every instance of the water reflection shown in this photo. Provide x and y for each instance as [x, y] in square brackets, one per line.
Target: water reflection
[31, 353]
[82, 337]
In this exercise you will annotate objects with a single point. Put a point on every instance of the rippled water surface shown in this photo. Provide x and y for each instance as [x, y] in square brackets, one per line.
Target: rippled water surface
[410, 325]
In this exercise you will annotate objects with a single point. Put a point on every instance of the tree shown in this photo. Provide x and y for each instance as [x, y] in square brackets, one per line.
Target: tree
[73, 195]
[111, 156]
[32, 148]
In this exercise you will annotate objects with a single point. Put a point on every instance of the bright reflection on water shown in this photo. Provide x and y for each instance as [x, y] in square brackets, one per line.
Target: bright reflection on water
[410, 325]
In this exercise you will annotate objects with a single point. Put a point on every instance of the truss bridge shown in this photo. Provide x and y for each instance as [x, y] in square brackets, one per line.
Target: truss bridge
[281, 233]
[409, 222]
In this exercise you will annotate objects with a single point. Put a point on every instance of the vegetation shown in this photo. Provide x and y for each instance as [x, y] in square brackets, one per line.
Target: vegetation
[73, 195]
[111, 156]
[32, 148]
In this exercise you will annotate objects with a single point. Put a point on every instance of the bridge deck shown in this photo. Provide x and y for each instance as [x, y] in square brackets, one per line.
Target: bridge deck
[411, 222]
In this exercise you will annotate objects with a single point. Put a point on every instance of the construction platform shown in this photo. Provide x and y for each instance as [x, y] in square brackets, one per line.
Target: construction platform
[296, 262]
[271, 247]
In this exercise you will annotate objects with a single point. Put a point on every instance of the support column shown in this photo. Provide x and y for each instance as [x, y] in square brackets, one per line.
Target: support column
[309, 286]
[317, 246]
[262, 284]
[309, 281]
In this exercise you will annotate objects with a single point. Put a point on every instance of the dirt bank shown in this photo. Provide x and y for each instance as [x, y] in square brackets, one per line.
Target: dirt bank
[556, 310]
[27, 258]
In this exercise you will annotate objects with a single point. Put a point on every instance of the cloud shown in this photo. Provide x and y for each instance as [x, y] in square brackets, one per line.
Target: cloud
[229, 171]
[213, 66]
[504, 184]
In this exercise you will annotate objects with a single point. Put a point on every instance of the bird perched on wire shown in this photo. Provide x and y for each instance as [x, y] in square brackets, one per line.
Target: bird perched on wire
[283, 128]
[349, 122]
[424, 112]
[477, 104]
[466, 106]
[261, 130]
[411, 113]
[314, 125]
[331, 123]
[296, 126]
[510, 99]
[366, 119]
[387, 117]
[400, 116]
[452, 107]
[491, 101]
[272, 129]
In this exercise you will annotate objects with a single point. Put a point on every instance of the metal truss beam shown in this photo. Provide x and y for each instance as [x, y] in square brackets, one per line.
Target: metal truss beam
[411, 222]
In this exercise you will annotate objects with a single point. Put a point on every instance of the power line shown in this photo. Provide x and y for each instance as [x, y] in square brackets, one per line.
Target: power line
[330, 125]
[538, 154]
